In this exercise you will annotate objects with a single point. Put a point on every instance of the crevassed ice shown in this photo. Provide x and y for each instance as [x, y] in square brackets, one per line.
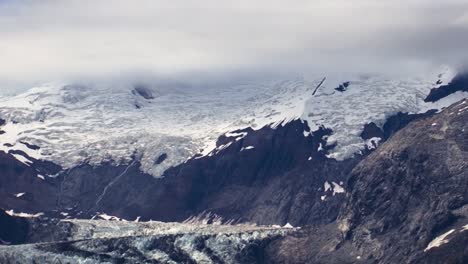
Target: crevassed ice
[369, 99]
[94, 123]
[73, 124]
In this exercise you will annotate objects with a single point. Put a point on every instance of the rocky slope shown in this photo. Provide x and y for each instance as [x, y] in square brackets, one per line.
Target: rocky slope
[406, 202]
[412, 189]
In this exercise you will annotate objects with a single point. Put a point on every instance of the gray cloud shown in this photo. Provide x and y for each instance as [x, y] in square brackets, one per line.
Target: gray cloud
[48, 40]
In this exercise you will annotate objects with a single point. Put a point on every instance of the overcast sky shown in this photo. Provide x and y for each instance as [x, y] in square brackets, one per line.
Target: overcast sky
[48, 40]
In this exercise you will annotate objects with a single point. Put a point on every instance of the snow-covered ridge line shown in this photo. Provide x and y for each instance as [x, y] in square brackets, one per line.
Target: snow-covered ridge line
[72, 124]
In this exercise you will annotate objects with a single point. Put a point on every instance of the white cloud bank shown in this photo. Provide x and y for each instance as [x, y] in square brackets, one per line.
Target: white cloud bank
[48, 40]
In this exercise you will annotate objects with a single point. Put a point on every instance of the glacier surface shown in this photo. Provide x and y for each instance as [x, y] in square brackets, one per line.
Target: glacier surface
[93, 123]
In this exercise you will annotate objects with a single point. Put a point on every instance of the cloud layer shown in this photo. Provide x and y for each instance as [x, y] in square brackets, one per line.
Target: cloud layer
[48, 40]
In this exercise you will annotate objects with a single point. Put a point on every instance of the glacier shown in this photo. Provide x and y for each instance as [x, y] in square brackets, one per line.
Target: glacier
[72, 124]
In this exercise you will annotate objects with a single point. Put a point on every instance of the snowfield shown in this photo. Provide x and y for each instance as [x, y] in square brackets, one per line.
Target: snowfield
[74, 124]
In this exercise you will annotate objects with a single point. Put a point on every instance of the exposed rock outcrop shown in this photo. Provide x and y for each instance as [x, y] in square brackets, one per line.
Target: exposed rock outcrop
[407, 202]
[412, 189]
[459, 83]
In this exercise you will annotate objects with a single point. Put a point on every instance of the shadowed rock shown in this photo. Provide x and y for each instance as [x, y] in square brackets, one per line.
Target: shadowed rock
[459, 83]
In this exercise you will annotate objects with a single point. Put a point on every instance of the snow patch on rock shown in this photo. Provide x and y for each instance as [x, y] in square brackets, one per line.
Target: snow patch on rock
[20, 214]
[440, 240]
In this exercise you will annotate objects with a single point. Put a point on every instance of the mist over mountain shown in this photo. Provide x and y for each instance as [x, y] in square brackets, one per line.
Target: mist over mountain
[45, 41]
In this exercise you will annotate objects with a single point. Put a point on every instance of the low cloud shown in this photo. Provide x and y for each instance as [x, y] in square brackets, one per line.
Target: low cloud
[53, 40]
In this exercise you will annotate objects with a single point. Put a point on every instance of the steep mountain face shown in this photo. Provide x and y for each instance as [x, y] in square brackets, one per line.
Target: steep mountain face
[406, 202]
[412, 189]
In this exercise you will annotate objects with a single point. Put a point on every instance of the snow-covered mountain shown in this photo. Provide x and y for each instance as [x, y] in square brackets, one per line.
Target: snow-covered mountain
[404, 202]
[355, 162]
[163, 126]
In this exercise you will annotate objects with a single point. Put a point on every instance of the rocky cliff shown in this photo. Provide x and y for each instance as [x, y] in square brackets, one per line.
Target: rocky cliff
[406, 202]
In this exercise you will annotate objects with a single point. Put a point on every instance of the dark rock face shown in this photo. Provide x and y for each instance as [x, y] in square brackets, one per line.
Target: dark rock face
[13, 230]
[459, 83]
[371, 130]
[393, 124]
[2, 123]
[400, 120]
[161, 158]
[17, 177]
[411, 190]
[343, 87]
[143, 91]
[30, 146]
